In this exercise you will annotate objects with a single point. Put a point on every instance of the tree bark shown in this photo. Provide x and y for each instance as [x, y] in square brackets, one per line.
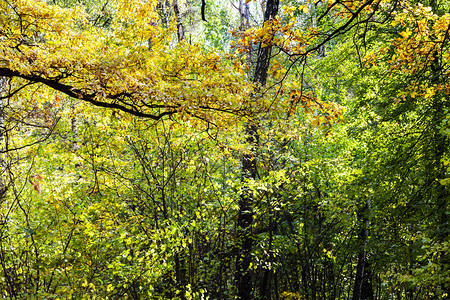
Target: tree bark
[244, 12]
[249, 172]
[3, 89]
[180, 28]
[165, 13]
[362, 289]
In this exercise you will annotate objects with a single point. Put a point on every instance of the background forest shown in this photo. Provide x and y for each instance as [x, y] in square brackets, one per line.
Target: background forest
[180, 149]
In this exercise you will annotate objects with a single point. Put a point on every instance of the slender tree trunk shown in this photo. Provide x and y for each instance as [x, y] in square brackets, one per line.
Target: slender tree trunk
[10, 283]
[244, 12]
[74, 127]
[249, 172]
[165, 13]
[362, 289]
[245, 217]
[3, 87]
[180, 28]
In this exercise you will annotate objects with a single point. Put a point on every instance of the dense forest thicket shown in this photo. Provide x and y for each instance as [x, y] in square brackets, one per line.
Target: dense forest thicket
[241, 149]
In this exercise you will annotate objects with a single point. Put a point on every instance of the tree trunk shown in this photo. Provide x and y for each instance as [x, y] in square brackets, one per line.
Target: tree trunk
[249, 172]
[3, 87]
[180, 28]
[244, 12]
[165, 13]
[362, 289]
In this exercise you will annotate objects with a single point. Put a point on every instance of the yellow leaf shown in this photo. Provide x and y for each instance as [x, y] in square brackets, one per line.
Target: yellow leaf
[405, 34]
[315, 122]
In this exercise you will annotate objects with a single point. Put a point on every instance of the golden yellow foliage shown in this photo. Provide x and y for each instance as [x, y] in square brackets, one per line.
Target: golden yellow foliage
[114, 67]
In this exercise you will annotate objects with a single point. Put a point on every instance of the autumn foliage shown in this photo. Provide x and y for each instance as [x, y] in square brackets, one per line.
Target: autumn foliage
[301, 157]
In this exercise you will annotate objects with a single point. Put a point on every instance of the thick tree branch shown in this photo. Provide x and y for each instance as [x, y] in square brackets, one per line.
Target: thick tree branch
[80, 94]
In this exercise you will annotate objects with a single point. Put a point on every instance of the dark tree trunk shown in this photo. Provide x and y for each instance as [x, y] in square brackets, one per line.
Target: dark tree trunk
[245, 217]
[3, 90]
[263, 55]
[249, 172]
[363, 280]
